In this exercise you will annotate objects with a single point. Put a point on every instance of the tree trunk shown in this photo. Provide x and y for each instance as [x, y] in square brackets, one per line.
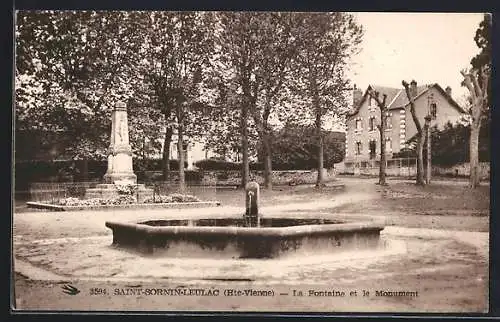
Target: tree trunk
[383, 163]
[319, 181]
[267, 162]
[420, 135]
[180, 158]
[420, 161]
[245, 171]
[382, 167]
[317, 108]
[166, 153]
[478, 88]
[474, 156]
[143, 151]
[85, 169]
[180, 144]
[428, 171]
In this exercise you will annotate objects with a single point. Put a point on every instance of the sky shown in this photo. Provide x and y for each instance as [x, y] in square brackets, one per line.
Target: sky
[427, 47]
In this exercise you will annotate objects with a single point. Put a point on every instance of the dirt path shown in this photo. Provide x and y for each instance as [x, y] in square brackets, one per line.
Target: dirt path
[436, 246]
[448, 271]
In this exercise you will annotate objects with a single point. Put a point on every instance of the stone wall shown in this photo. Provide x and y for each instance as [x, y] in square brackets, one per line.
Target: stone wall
[291, 177]
[390, 171]
[233, 177]
[459, 170]
[462, 169]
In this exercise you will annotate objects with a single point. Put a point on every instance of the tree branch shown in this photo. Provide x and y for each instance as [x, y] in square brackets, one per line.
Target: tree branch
[485, 77]
[412, 107]
[475, 82]
[468, 84]
[376, 96]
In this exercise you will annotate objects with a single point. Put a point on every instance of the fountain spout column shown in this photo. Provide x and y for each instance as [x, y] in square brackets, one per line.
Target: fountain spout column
[252, 216]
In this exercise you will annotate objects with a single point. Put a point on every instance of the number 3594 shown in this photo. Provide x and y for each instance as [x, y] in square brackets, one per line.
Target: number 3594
[98, 291]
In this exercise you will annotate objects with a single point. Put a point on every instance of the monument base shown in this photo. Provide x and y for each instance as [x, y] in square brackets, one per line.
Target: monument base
[117, 176]
[109, 191]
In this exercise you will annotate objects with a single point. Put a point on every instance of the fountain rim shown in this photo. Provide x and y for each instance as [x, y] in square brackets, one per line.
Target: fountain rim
[376, 224]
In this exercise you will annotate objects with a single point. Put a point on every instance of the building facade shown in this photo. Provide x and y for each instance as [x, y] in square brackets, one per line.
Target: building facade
[194, 150]
[362, 134]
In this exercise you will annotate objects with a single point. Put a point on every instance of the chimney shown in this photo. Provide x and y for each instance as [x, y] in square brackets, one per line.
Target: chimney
[448, 90]
[413, 88]
[357, 95]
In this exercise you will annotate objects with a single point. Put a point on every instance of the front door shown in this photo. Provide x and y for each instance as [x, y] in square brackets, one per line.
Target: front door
[373, 149]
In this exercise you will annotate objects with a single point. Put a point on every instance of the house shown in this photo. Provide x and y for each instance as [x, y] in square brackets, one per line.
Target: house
[194, 150]
[362, 134]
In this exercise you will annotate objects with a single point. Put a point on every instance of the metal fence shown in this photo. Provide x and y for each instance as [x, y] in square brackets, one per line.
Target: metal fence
[54, 191]
[390, 163]
[394, 167]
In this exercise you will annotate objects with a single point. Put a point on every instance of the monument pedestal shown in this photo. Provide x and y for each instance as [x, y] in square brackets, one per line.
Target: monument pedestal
[120, 168]
[111, 178]
[109, 191]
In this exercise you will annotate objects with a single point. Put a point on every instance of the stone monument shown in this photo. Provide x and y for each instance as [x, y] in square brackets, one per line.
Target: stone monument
[120, 170]
[120, 152]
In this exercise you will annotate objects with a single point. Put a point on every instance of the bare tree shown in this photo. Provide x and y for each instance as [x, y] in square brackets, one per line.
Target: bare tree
[420, 132]
[477, 84]
[383, 124]
[427, 131]
[327, 42]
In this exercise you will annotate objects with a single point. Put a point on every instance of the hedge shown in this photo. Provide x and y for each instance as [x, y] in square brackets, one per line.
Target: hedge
[71, 170]
[155, 164]
[215, 164]
[193, 176]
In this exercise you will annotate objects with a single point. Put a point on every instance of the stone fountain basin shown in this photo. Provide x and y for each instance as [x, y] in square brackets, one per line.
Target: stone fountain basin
[228, 238]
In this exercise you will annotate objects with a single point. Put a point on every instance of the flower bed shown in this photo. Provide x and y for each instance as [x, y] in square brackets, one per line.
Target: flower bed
[126, 200]
[176, 197]
[121, 200]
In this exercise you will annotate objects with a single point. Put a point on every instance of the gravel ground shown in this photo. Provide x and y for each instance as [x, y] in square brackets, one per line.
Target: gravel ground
[436, 244]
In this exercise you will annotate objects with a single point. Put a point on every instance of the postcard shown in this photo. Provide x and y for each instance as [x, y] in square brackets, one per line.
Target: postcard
[223, 161]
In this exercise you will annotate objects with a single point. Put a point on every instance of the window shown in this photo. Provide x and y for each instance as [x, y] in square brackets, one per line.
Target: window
[433, 110]
[388, 145]
[372, 123]
[358, 148]
[358, 124]
[373, 149]
[388, 122]
[369, 101]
